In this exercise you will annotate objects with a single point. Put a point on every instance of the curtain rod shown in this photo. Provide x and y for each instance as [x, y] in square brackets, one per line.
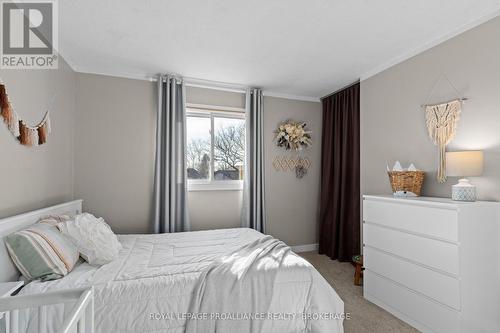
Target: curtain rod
[339, 90]
[200, 83]
[224, 87]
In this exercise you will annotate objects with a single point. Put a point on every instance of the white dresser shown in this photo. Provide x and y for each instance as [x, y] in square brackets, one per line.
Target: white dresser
[433, 262]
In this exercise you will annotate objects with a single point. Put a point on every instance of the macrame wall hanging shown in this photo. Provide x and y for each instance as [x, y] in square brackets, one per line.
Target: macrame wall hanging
[25, 134]
[442, 121]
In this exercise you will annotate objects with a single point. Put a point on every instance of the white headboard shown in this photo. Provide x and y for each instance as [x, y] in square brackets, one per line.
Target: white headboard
[8, 225]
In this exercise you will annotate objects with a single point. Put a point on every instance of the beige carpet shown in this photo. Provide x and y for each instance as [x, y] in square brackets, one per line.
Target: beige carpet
[366, 317]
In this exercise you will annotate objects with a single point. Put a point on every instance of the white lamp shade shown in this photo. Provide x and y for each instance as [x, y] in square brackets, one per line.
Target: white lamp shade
[464, 163]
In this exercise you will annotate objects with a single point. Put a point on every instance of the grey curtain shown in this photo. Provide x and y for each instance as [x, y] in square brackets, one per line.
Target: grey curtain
[254, 210]
[170, 195]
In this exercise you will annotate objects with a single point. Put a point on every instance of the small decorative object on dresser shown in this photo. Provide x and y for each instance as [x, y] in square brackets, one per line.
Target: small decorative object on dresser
[428, 261]
[405, 182]
[464, 164]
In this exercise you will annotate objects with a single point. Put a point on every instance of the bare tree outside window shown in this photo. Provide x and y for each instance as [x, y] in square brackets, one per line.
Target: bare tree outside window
[198, 156]
[198, 147]
[228, 150]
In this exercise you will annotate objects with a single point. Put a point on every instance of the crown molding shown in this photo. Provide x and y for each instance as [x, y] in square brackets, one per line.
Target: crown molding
[289, 96]
[123, 75]
[193, 83]
[207, 84]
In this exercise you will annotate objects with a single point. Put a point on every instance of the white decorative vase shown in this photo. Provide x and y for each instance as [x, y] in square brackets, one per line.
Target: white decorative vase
[463, 191]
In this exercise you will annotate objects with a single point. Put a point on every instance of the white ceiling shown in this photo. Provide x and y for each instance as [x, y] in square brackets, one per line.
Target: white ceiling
[299, 47]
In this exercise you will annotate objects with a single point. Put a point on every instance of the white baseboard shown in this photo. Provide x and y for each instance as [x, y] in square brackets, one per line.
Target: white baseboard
[396, 313]
[304, 248]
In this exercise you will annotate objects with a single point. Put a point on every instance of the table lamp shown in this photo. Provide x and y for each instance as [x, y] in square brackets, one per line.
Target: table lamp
[464, 164]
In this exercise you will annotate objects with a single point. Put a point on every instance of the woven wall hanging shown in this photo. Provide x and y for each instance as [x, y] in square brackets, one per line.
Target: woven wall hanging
[25, 134]
[442, 121]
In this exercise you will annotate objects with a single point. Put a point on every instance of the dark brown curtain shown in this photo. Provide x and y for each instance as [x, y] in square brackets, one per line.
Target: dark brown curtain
[340, 192]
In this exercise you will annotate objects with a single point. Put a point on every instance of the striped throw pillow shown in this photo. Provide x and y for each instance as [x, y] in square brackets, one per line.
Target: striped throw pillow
[42, 252]
[54, 220]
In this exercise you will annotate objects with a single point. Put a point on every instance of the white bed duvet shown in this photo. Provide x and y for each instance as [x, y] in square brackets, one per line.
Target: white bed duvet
[231, 280]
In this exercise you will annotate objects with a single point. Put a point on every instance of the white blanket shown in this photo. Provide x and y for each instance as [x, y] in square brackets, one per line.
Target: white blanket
[159, 280]
[250, 288]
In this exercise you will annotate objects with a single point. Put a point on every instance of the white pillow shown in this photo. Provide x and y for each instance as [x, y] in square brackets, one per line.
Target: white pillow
[93, 237]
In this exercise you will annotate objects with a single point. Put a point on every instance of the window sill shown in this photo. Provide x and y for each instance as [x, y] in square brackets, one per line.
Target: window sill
[216, 186]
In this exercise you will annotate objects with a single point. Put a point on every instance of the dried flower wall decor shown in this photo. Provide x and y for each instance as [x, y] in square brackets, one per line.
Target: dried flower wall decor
[292, 135]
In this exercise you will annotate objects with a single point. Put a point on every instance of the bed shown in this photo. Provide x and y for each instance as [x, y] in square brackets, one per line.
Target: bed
[219, 280]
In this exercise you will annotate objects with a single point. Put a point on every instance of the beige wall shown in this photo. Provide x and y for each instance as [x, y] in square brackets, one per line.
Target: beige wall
[214, 209]
[204, 96]
[292, 204]
[115, 145]
[114, 161]
[36, 177]
[393, 125]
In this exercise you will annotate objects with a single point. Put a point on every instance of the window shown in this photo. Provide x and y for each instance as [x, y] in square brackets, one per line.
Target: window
[215, 149]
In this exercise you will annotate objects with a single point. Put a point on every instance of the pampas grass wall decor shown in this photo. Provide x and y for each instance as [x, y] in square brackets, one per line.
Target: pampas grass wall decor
[25, 134]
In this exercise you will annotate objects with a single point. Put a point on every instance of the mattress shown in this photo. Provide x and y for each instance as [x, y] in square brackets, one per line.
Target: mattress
[149, 288]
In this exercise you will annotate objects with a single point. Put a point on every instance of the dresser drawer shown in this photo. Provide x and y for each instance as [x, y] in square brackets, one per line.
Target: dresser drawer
[433, 253]
[436, 222]
[440, 287]
[431, 316]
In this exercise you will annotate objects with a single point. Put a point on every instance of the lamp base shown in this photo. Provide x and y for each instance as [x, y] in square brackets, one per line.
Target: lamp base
[463, 191]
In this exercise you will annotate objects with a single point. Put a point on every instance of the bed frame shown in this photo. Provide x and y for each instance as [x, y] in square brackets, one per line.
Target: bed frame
[81, 318]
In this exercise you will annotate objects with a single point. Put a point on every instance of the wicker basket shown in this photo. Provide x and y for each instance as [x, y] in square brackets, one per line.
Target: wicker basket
[406, 181]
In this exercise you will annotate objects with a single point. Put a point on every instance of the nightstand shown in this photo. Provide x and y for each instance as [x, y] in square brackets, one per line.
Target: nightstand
[6, 290]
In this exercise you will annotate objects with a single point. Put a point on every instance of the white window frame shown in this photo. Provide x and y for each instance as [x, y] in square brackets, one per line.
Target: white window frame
[211, 112]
